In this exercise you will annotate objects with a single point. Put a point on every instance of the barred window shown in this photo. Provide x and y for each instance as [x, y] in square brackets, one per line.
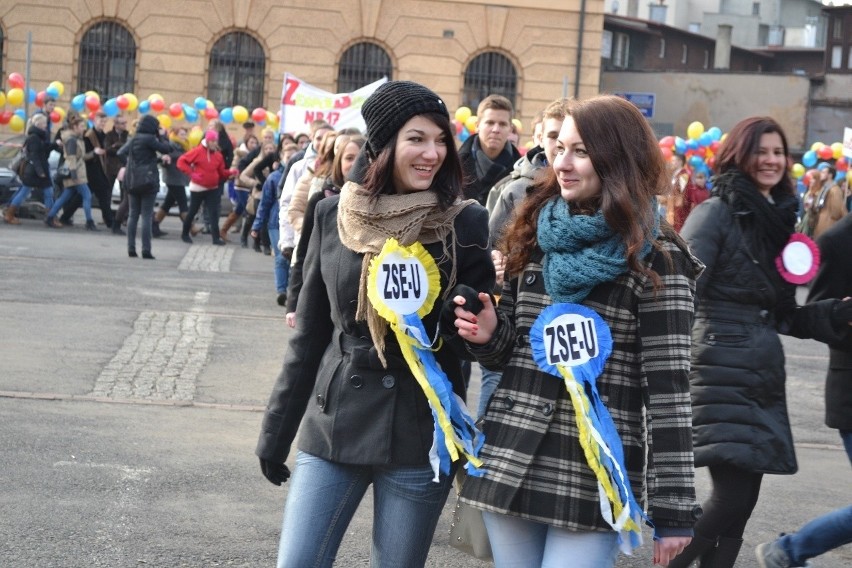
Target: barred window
[237, 72]
[489, 73]
[107, 60]
[362, 64]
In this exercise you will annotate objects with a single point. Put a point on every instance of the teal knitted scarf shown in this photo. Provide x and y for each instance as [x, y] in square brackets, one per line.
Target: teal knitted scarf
[580, 251]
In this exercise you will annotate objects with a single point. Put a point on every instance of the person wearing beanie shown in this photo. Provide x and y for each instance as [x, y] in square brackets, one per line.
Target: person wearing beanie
[345, 386]
[142, 179]
[205, 167]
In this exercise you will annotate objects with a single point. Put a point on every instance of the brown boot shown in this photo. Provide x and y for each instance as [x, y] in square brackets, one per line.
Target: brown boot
[193, 230]
[9, 215]
[229, 221]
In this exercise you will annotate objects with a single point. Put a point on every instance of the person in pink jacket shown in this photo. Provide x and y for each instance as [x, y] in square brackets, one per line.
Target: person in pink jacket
[205, 167]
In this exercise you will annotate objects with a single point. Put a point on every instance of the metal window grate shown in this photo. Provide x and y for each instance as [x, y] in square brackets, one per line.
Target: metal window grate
[107, 60]
[237, 72]
[489, 73]
[362, 64]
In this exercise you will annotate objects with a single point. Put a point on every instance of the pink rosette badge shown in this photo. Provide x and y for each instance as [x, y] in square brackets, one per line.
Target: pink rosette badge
[799, 259]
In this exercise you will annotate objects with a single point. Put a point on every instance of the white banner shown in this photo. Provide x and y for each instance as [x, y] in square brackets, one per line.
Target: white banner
[847, 142]
[302, 103]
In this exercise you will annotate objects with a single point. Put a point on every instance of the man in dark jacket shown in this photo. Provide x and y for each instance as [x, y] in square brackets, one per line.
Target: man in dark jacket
[488, 157]
[96, 172]
[834, 280]
[113, 141]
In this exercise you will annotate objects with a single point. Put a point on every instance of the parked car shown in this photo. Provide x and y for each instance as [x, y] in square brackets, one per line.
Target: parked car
[224, 208]
[9, 181]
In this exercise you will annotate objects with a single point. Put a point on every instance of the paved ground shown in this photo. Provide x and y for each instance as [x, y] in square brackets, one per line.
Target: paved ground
[130, 401]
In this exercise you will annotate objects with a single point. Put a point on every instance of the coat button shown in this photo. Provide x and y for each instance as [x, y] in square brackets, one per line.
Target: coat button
[521, 340]
[388, 381]
[321, 401]
[547, 409]
[530, 279]
[356, 381]
[509, 402]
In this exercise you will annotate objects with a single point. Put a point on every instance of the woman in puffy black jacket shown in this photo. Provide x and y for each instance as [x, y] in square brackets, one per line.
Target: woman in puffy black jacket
[737, 380]
[35, 172]
[142, 178]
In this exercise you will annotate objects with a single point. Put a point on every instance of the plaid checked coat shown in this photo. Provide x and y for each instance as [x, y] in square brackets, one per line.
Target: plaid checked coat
[535, 464]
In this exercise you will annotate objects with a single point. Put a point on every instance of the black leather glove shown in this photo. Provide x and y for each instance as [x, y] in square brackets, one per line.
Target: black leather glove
[276, 473]
[287, 253]
[842, 312]
[448, 310]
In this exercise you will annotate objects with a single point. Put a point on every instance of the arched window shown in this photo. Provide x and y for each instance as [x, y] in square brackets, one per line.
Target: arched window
[107, 60]
[237, 72]
[362, 64]
[489, 73]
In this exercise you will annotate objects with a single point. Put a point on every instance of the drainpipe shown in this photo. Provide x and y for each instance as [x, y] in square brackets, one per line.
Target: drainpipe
[579, 50]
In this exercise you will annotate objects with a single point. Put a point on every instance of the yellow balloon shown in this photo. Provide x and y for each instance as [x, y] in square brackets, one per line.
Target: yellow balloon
[210, 104]
[165, 120]
[837, 150]
[132, 101]
[694, 130]
[271, 117]
[2, 98]
[471, 123]
[61, 112]
[724, 137]
[798, 170]
[195, 136]
[816, 146]
[463, 113]
[15, 97]
[849, 176]
[518, 125]
[154, 96]
[16, 123]
[58, 86]
[240, 114]
[93, 94]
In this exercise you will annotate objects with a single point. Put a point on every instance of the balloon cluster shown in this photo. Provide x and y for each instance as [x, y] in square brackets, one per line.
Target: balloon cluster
[811, 164]
[90, 102]
[465, 123]
[698, 148]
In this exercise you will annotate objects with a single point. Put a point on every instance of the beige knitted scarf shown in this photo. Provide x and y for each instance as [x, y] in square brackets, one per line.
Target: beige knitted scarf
[365, 223]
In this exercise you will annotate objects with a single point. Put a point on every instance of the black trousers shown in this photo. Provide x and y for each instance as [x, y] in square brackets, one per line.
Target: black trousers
[210, 199]
[732, 500]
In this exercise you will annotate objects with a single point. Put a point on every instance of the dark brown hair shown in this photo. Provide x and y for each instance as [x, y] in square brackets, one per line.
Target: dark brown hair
[739, 150]
[624, 153]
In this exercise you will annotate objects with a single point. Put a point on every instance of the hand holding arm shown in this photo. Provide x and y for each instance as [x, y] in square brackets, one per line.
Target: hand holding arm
[667, 547]
[472, 313]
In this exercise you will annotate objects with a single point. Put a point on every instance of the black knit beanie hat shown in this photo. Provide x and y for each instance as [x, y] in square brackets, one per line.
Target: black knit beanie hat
[391, 106]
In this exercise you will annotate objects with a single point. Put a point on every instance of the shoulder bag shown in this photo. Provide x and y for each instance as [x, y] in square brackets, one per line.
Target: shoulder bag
[467, 529]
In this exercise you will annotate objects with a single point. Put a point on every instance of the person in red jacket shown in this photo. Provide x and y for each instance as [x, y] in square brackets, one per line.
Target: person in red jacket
[205, 167]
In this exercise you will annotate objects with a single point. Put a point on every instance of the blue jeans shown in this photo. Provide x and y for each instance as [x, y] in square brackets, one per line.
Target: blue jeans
[824, 533]
[140, 205]
[521, 543]
[85, 194]
[241, 201]
[282, 265]
[23, 194]
[323, 497]
[489, 383]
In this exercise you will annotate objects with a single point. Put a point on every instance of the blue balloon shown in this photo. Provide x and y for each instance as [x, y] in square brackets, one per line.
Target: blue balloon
[680, 145]
[31, 95]
[705, 139]
[200, 103]
[692, 144]
[52, 91]
[111, 108]
[840, 176]
[144, 107]
[226, 115]
[696, 163]
[189, 113]
[715, 133]
[20, 112]
[809, 159]
[464, 135]
[78, 102]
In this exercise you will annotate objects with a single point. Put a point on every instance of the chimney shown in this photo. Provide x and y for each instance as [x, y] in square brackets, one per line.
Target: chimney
[633, 8]
[657, 12]
[722, 56]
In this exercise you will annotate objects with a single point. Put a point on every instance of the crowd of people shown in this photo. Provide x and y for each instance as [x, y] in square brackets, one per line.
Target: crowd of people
[625, 313]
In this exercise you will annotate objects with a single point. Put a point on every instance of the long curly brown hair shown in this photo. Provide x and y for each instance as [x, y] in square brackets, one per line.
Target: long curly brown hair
[625, 155]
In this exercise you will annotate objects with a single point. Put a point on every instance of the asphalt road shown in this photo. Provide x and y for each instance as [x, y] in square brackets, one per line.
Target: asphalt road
[131, 394]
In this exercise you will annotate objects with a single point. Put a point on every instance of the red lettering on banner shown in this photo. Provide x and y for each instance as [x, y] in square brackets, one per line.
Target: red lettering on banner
[290, 87]
[343, 102]
[330, 117]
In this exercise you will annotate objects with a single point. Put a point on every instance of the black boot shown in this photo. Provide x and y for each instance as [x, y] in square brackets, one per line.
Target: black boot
[116, 228]
[700, 545]
[724, 555]
[155, 230]
[90, 226]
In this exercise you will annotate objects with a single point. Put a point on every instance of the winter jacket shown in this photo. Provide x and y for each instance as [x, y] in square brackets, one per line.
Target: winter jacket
[834, 280]
[204, 168]
[474, 186]
[829, 209]
[332, 388]
[141, 154]
[74, 151]
[737, 376]
[113, 142]
[171, 174]
[535, 465]
[37, 147]
[506, 196]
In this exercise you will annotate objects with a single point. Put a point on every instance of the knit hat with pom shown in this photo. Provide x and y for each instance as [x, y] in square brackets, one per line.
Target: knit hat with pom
[391, 106]
[211, 136]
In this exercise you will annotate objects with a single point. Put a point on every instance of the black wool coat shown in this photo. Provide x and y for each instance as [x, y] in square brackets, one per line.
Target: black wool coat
[332, 388]
[37, 147]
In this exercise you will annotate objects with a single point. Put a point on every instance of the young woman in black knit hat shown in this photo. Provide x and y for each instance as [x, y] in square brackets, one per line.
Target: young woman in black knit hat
[398, 242]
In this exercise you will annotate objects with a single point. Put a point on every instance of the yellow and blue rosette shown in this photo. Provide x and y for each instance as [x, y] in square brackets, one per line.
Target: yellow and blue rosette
[573, 342]
[403, 283]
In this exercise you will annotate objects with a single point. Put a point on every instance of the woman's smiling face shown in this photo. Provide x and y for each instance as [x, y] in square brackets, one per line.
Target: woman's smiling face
[770, 162]
[421, 147]
[574, 170]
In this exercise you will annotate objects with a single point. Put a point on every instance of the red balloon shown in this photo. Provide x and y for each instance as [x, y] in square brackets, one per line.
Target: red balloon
[667, 152]
[842, 164]
[714, 146]
[711, 162]
[210, 113]
[175, 109]
[5, 117]
[16, 80]
[40, 99]
[55, 117]
[157, 105]
[258, 114]
[667, 141]
[826, 153]
[92, 103]
[458, 126]
[122, 102]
